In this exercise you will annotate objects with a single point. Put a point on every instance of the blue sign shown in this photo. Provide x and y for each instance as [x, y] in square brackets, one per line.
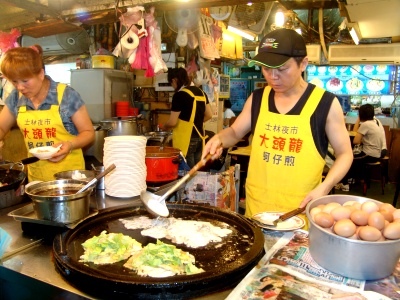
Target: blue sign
[352, 80]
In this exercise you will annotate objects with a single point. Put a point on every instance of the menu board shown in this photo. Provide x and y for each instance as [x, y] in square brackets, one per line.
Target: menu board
[352, 80]
[397, 85]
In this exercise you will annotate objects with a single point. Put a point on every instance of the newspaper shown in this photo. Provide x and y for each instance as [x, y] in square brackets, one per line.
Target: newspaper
[287, 271]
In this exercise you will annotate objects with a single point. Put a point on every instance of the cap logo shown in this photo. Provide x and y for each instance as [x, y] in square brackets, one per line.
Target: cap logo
[270, 43]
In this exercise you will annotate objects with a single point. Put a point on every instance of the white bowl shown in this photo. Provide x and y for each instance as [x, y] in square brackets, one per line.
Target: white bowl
[44, 152]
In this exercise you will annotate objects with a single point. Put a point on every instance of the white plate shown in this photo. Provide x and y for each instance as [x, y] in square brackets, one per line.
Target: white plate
[318, 82]
[332, 69]
[375, 85]
[354, 85]
[334, 88]
[44, 152]
[355, 69]
[266, 218]
[368, 68]
[381, 68]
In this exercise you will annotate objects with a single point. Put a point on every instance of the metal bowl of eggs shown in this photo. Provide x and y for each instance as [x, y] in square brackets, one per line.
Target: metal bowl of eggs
[354, 236]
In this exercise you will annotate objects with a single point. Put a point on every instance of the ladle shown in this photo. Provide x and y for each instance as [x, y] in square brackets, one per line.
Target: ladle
[94, 180]
[156, 204]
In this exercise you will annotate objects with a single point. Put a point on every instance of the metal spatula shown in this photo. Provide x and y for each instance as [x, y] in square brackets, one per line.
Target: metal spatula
[156, 204]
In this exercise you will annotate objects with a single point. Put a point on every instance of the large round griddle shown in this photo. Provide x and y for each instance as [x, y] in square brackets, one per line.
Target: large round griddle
[225, 263]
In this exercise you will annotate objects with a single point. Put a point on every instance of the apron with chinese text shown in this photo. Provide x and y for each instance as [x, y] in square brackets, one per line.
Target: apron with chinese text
[285, 164]
[183, 130]
[45, 128]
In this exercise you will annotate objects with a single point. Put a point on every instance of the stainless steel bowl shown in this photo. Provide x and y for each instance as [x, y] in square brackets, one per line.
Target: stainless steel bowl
[84, 175]
[57, 200]
[350, 258]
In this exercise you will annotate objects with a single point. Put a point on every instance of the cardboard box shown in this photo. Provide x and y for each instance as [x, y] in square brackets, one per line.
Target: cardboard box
[213, 189]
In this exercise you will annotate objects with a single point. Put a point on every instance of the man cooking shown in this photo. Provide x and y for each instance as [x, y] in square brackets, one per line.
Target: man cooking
[292, 122]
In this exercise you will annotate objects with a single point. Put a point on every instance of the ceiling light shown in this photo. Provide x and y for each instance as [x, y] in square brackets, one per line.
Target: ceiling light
[355, 32]
[279, 18]
[241, 33]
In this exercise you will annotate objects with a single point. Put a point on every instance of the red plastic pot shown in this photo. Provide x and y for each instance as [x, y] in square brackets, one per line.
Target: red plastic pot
[162, 164]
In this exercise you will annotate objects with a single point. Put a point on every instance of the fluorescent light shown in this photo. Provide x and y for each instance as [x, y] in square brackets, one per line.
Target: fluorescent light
[355, 32]
[279, 18]
[241, 33]
[227, 37]
[354, 36]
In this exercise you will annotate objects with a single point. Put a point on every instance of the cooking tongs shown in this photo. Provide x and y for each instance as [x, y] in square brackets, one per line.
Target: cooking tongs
[288, 215]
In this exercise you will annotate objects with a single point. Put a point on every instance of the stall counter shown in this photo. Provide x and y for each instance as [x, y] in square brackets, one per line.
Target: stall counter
[27, 267]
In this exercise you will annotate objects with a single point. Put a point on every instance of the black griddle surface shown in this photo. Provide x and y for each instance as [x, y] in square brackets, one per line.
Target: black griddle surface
[225, 263]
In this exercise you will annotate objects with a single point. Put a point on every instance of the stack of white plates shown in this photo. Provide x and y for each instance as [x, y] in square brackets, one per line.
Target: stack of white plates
[128, 153]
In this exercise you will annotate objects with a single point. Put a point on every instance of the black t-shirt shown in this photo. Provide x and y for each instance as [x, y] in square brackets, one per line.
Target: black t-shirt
[183, 102]
[317, 121]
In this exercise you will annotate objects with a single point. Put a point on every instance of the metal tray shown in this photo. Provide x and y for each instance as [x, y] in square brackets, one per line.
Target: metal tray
[27, 214]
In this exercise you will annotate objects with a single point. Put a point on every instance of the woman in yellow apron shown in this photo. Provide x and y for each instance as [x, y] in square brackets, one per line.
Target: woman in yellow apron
[190, 109]
[292, 122]
[47, 113]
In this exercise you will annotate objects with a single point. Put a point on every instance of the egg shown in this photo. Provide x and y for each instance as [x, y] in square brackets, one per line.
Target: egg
[340, 213]
[324, 219]
[392, 231]
[387, 206]
[369, 207]
[330, 206]
[369, 233]
[314, 211]
[345, 228]
[388, 215]
[396, 214]
[349, 203]
[396, 221]
[351, 207]
[377, 220]
[357, 205]
[359, 217]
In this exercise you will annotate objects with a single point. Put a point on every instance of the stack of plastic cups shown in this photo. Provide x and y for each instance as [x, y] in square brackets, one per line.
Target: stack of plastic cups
[122, 108]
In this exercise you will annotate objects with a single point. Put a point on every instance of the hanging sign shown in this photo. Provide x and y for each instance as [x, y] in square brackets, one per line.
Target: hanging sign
[206, 43]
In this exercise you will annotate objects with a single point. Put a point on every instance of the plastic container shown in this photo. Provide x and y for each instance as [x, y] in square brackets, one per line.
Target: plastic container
[103, 62]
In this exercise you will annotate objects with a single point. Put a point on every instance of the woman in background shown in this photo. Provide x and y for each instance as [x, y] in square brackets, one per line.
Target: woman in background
[190, 109]
[371, 135]
[47, 113]
[228, 112]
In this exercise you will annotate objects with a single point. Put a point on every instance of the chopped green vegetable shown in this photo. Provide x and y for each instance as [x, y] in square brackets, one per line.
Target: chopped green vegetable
[161, 260]
[109, 248]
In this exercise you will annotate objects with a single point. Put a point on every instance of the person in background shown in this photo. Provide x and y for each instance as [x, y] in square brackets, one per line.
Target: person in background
[371, 135]
[228, 112]
[190, 109]
[47, 113]
[292, 123]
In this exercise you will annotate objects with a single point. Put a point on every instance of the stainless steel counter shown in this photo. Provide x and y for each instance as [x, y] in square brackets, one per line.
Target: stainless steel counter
[27, 266]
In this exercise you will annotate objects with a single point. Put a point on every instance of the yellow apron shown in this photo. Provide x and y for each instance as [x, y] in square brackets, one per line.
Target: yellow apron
[284, 163]
[183, 130]
[45, 128]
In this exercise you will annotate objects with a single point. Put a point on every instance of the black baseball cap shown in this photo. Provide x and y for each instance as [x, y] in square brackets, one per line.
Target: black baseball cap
[277, 47]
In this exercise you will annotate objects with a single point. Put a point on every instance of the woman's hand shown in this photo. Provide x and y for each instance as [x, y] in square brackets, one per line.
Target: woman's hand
[66, 149]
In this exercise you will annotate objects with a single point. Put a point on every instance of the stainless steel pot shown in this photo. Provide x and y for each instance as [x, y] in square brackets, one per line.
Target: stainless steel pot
[121, 126]
[351, 258]
[96, 148]
[57, 200]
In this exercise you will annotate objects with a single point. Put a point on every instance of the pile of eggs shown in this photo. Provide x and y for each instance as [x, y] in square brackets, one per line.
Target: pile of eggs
[368, 221]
